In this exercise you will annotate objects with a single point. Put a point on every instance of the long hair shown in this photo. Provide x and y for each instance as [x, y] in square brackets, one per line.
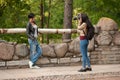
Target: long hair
[86, 20]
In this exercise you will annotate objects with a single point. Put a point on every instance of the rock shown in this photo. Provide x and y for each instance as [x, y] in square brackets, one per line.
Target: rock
[104, 39]
[74, 46]
[12, 43]
[6, 51]
[64, 60]
[21, 50]
[91, 45]
[61, 49]
[43, 61]
[112, 32]
[69, 54]
[48, 51]
[97, 29]
[17, 63]
[116, 39]
[107, 24]
[15, 57]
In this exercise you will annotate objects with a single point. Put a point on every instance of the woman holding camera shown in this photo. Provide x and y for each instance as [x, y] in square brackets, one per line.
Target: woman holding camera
[83, 24]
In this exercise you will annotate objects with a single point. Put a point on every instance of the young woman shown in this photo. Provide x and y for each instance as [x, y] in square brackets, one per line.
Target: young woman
[32, 33]
[83, 24]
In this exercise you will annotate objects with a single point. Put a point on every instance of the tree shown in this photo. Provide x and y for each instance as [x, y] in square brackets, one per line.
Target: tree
[57, 14]
[68, 7]
[48, 21]
[13, 14]
[42, 16]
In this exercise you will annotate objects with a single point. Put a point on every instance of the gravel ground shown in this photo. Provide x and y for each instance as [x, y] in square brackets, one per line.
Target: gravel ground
[106, 78]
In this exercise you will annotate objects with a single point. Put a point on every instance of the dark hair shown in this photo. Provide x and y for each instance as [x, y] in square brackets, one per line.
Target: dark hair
[31, 15]
[86, 20]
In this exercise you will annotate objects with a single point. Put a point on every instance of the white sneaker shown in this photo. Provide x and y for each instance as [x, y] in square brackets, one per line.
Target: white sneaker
[33, 67]
[30, 64]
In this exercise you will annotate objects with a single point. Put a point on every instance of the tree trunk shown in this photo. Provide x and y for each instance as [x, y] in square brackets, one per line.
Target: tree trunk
[68, 7]
[42, 17]
[48, 21]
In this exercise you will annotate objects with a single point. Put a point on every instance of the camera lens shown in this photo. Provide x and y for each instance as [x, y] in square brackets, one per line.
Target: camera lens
[75, 18]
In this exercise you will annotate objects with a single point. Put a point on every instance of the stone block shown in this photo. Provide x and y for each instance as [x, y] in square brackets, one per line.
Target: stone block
[64, 60]
[104, 39]
[95, 53]
[108, 62]
[75, 60]
[48, 51]
[21, 50]
[54, 60]
[107, 24]
[47, 65]
[76, 64]
[17, 63]
[15, 57]
[6, 51]
[116, 39]
[43, 61]
[114, 48]
[74, 46]
[2, 64]
[110, 52]
[69, 54]
[93, 56]
[61, 49]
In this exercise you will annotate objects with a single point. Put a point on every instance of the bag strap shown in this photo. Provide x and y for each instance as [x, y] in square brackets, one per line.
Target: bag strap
[84, 32]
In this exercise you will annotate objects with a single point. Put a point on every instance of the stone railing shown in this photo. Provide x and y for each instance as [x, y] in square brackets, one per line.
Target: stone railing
[104, 48]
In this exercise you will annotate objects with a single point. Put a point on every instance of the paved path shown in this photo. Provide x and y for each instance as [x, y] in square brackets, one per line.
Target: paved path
[63, 73]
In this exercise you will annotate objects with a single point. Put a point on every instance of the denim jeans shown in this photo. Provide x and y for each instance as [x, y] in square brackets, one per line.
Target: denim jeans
[83, 48]
[35, 50]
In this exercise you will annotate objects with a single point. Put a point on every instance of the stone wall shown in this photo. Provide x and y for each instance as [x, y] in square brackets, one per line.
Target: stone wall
[104, 48]
[107, 43]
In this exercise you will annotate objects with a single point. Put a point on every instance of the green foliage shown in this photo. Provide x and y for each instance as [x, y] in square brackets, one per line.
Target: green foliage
[99, 8]
[13, 14]
[19, 38]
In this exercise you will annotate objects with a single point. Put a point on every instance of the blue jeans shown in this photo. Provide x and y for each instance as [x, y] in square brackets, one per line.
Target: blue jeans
[83, 48]
[35, 50]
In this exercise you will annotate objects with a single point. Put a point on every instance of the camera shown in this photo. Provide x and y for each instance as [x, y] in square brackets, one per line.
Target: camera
[77, 17]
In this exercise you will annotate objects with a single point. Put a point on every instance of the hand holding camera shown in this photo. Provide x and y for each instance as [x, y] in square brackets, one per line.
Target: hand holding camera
[78, 17]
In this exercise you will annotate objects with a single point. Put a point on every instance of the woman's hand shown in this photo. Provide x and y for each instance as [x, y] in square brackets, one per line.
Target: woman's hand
[79, 22]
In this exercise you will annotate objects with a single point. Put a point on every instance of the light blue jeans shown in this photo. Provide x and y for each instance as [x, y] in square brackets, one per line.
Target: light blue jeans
[35, 50]
[84, 48]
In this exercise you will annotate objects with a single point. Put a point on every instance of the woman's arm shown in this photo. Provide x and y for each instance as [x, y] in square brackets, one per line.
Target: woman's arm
[28, 31]
[82, 26]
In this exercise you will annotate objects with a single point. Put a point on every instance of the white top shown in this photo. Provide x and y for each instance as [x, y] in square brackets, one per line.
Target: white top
[35, 34]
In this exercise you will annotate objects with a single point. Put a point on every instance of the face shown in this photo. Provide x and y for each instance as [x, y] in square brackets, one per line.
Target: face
[80, 20]
[32, 20]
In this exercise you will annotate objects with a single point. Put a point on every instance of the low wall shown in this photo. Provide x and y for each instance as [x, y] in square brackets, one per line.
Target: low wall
[104, 48]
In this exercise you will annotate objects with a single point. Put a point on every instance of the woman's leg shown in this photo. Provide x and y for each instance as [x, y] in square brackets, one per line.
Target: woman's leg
[83, 52]
[38, 52]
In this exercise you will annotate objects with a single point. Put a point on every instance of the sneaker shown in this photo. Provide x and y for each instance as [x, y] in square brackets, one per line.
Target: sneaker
[82, 70]
[88, 69]
[35, 67]
[30, 64]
